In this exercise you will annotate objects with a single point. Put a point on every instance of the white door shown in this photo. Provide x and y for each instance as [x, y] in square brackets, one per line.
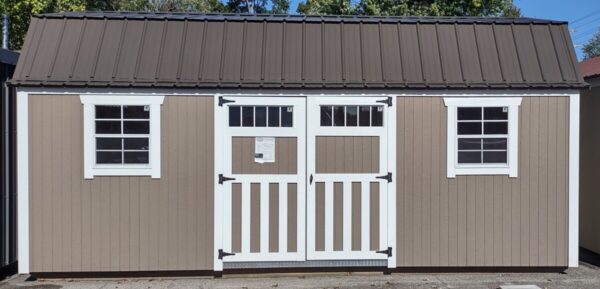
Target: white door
[263, 179]
[347, 185]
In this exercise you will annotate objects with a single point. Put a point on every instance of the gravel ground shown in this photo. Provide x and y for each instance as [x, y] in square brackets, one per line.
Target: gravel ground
[586, 276]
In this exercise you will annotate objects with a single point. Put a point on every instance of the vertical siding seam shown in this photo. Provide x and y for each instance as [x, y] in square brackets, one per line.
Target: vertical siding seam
[400, 54]
[483, 74]
[243, 52]
[423, 77]
[439, 49]
[498, 54]
[119, 48]
[460, 61]
[161, 50]
[362, 52]
[78, 49]
[140, 52]
[98, 48]
[37, 49]
[322, 53]
[181, 50]
[223, 44]
[562, 74]
[381, 58]
[283, 46]
[512, 31]
[202, 50]
[343, 53]
[537, 54]
[263, 52]
[61, 34]
[303, 54]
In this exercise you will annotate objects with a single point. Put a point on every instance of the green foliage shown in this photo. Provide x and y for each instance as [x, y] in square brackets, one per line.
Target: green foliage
[411, 7]
[592, 48]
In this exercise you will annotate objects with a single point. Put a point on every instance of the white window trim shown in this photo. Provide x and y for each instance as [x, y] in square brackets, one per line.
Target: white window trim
[510, 169]
[90, 168]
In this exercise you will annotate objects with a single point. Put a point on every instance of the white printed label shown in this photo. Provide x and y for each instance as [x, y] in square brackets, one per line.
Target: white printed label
[264, 149]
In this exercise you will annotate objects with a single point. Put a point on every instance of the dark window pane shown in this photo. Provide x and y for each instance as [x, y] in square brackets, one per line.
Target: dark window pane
[495, 128]
[136, 157]
[274, 116]
[469, 144]
[364, 115]
[136, 143]
[286, 116]
[104, 143]
[351, 115]
[339, 114]
[494, 143]
[234, 116]
[108, 157]
[136, 127]
[136, 111]
[247, 116]
[261, 116]
[494, 157]
[326, 115]
[108, 127]
[469, 113]
[377, 116]
[469, 157]
[108, 111]
[495, 113]
[469, 128]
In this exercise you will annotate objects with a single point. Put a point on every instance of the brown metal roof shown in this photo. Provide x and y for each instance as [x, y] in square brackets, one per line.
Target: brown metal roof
[590, 67]
[185, 50]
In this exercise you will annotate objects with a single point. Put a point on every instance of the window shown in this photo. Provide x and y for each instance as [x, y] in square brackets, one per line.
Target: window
[482, 136]
[121, 135]
[260, 116]
[351, 115]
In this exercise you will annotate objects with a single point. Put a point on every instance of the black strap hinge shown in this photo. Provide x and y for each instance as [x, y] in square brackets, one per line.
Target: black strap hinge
[387, 251]
[387, 101]
[223, 254]
[224, 179]
[223, 101]
[387, 177]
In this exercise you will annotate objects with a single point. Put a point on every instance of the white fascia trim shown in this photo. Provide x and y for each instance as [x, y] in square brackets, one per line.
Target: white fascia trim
[91, 169]
[23, 182]
[574, 180]
[453, 169]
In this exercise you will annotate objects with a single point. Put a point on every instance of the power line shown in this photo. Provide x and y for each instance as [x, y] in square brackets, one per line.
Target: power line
[586, 16]
[586, 23]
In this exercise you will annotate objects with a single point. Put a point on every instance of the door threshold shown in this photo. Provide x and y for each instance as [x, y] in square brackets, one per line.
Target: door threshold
[306, 264]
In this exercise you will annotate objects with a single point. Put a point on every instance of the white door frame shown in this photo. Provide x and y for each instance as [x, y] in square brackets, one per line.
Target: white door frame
[298, 130]
[387, 210]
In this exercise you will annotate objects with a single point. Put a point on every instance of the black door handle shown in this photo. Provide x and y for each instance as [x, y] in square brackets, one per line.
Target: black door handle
[310, 179]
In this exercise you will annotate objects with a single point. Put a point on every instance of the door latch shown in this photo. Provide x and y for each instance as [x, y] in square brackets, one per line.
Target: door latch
[223, 254]
[310, 179]
[223, 101]
[223, 179]
[387, 177]
[387, 251]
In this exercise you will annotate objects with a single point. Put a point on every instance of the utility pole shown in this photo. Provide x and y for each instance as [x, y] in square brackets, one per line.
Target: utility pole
[5, 31]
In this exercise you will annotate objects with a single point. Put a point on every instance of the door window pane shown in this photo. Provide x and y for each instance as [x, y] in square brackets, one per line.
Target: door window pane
[108, 127]
[377, 116]
[287, 116]
[108, 111]
[339, 115]
[364, 116]
[469, 113]
[326, 115]
[351, 116]
[261, 116]
[273, 116]
[136, 127]
[234, 116]
[108, 157]
[247, 116]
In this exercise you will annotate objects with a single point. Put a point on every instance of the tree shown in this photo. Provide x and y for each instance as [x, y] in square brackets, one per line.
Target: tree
[592, 48]
[411, 7]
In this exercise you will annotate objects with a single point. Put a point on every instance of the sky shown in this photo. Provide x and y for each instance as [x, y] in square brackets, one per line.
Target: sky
[584, 15]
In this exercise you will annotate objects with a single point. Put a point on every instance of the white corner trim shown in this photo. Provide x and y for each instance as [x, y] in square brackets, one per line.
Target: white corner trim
[219, 120]
[452, 168]
[573, 180]
[23, 182]
[90, 168]
[391, 201]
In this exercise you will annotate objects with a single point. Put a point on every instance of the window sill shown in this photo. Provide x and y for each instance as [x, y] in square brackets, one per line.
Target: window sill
[482, 170]
[121, 171]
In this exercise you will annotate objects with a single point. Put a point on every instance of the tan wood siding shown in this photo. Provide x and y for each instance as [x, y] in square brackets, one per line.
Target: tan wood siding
[274, 217]
[482, 220]
[286, 157]
[347, 154]
[338, 216]
[320, 216]
[120, 223]
[589, 210]
[292, 225]
[356, 215]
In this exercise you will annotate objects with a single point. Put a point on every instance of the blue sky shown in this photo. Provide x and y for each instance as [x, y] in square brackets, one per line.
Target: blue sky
[568, 10]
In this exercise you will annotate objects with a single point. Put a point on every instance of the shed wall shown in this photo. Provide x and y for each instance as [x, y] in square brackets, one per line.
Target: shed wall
[589, 198]
[475, 221]
[120, 223]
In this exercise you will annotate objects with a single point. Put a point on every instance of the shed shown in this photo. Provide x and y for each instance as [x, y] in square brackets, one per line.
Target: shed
[208, 143]
[8, 177]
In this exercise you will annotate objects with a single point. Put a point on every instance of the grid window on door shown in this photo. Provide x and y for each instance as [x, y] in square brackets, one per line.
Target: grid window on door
[351, 115]
[482, 135]
[122, 134]
[261, 116]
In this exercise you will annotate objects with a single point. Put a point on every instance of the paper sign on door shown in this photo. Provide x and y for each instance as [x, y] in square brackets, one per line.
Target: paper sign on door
[264, 149]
